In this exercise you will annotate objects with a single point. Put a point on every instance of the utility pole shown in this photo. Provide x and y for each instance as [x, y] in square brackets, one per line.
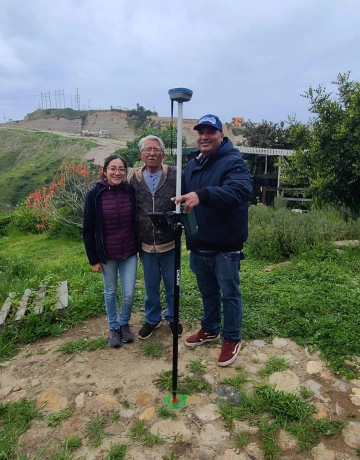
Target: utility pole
[55, 99]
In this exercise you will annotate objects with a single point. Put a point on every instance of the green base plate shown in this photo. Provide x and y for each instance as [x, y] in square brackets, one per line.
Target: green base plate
[179, 404]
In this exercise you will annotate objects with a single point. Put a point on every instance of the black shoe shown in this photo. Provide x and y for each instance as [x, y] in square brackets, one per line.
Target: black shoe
[115, 340]
[180, 329]
[127, 334]
[147, 330]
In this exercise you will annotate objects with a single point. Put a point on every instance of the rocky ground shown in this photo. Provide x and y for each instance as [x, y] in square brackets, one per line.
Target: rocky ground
[101, 381]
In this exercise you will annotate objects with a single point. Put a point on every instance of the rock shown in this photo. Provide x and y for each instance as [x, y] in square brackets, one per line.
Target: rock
[312, 356]
[35, 383]
[286, 381]
[279, 343]
[73, 426]
[254, 451]
[17, 396]
[51, 399]
[5, 391]
[16, 388]
[80, 400]
[209, 378]
[176, 429]
[327, 375]
[231, 455]
[355, 397]
[286, 440]
[351, 434]
[261, 357]
[355, 382]
[314, 367]
[315, 388]
[115, 429]
[127, 413]
[259, 343]
[147, 414]
[244, 427]
[143, 398]
[105, 402]
[228, 394]
[347, 243]
[208, 413]
[341, 386]
[322, 411]
[192, 399]
[338, 409]
[320, 452]
[212, 436]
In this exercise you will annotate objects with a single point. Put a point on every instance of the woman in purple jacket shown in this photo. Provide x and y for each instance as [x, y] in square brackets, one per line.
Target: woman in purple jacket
[110, 240]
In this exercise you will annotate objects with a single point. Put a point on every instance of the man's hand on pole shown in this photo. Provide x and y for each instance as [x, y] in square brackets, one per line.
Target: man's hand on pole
[189, 201]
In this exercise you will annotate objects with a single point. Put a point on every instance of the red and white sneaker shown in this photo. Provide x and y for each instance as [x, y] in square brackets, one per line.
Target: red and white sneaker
[201, 337]
[229, 352]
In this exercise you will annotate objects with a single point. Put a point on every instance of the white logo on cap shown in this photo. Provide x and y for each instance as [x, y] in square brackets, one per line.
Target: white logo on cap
[210, 119]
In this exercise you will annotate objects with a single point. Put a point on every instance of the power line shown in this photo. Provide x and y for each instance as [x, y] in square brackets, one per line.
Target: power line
[19, 97]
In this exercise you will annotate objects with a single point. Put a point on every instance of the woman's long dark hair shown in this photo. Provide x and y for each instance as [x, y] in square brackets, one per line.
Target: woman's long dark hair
[108, 160]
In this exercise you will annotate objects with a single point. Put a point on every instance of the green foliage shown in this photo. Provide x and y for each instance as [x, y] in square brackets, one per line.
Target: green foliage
[274, 364]
[327, 159]
[140, 432]
[187, 385]
[154, 350]
[79, 345]
[270, 410]
[67, 448]
[56, 418]
[265, 135]
[164, 412]
[95, 430]
[242, 440]
[67, 113]
[15, 419]
[29, 161]
[275, 234]
[116, 452]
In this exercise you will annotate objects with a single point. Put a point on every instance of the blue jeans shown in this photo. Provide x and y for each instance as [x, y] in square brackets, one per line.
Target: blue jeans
[218, 281]
[127, 270]
[157, 266]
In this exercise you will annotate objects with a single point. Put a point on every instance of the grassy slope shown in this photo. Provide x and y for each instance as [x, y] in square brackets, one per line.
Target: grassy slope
[313, 299]
[28, 161]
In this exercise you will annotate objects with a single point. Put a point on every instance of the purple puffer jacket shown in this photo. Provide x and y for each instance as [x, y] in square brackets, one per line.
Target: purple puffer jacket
[118, 211]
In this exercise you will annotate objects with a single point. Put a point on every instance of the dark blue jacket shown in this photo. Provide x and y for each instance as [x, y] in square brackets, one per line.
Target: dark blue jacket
[223, 184]
[93, 225]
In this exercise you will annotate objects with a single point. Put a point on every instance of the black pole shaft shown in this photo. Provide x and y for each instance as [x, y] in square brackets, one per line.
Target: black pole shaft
[177, 276]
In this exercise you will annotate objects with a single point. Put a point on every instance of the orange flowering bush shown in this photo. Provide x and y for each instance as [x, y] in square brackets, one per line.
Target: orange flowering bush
[64, 199]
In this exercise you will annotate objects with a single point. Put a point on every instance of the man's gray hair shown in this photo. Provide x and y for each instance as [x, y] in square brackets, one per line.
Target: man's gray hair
[151, 138]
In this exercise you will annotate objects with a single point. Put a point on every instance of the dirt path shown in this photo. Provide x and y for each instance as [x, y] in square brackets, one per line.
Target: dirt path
[121, 382]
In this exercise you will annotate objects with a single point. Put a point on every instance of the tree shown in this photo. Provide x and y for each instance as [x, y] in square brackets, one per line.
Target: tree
[265, 135]
[131, 151]
[328, 159]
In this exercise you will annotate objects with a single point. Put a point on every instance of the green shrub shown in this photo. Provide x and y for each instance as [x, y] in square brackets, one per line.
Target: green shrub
[278, 233]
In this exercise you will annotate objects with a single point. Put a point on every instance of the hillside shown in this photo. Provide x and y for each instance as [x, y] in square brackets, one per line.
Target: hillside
[28, 160]
[118, 124]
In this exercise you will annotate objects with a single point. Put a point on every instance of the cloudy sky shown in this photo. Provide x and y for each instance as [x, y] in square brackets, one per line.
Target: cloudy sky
[241, 58]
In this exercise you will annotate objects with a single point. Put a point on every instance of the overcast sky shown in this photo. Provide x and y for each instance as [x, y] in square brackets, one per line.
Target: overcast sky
[241, 58]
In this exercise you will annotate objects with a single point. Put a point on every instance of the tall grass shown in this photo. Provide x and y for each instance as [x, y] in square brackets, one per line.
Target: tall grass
[277, 234]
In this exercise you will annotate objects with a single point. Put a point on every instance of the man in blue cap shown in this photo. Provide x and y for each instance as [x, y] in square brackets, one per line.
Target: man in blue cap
[217, 184]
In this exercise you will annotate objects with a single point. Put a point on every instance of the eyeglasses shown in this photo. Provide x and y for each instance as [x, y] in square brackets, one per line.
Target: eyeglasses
[112, 169]
[150, 149]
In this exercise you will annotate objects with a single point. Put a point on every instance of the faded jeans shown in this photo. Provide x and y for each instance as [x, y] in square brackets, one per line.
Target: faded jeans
[127, 270]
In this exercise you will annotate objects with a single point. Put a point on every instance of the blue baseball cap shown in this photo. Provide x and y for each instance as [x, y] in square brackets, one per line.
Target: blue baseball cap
[209, 120]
